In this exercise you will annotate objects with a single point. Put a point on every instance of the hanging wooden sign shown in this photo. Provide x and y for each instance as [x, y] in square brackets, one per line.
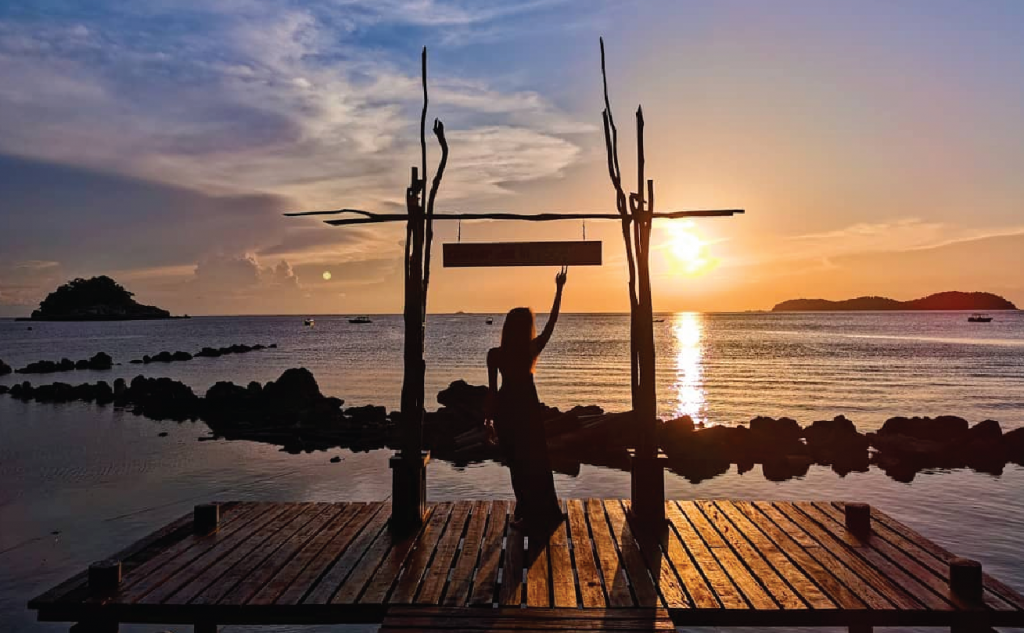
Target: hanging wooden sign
[477, 254]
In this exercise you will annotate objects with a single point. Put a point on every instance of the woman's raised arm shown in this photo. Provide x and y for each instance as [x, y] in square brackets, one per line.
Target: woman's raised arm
[549, 327]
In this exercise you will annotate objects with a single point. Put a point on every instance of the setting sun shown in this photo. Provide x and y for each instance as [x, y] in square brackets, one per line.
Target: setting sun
[687, 251]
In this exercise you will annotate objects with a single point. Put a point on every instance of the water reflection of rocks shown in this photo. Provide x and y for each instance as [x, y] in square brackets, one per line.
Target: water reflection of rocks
[292, 412]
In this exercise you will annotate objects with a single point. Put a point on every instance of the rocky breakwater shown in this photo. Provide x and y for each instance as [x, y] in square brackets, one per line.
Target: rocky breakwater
[206, 352]
[99, 361]
[4, 368]
[292, 412]
[906, 446]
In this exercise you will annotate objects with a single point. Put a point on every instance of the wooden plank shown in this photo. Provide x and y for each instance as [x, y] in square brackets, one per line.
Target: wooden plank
[511, 593]
[272, 573]
[178, 557]
[615, 583]
[565, 253]
[667, 582]
[746, 518]
[321, 553]
[172, 532]
[725, 589]
[436, 575]
[591, 588]
[696, 591]
[926, 576]
[639, 566]
[881, 519]
[486, 579]
[763, 559]
[425, 549]
[384, 575]
[325, 590]
[189, 582]
[538, 619]
[878, 581]
[467, 556]
[731, 564]
[563, 578]
[913, 585]
[873, 598]
[538, 573]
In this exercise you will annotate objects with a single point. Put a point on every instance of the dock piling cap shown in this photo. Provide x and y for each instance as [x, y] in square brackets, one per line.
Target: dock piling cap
[206, 518]
[965, 578]
[858, 519]
[105, 575]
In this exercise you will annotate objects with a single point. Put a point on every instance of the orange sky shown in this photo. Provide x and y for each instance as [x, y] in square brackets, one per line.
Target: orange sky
[875, 146]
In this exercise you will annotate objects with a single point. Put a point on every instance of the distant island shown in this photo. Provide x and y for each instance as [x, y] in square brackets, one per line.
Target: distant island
[978, 301]
[97, 299]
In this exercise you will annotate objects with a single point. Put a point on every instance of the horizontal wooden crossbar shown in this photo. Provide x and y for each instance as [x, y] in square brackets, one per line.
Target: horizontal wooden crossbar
[367, 217]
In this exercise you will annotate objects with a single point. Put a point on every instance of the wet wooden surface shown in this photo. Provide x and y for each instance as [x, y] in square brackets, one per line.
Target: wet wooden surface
[714, 563]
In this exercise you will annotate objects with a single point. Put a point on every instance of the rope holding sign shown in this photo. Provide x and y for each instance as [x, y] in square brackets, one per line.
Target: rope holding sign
[584, 230]
[460, 231]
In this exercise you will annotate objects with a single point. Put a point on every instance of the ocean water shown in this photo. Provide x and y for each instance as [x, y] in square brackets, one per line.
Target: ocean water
[78, 481]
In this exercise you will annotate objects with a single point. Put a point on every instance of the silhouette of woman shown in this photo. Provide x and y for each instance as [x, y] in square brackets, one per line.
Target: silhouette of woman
[515, 412]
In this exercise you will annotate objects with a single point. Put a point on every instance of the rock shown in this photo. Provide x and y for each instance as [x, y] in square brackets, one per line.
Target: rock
[147, 359]
[295, 388]
[104, 394]
[4, 389]
[101, 360]
[4, 368]
[255, 388]
[985, 431]
[1013, 444]
[939, 429]
[119, 387]
[272, 346]
[163, 399]
[335, 459]
[463, 395]
[781, 430]
[181, 356]
[837, 442]
[208, 352]
[82, 364]
[135, 361]
[66, 364]
[162, 434]
[367, 415]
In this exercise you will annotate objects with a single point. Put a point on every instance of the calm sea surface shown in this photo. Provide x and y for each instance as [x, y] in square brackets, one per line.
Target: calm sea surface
[78, 481]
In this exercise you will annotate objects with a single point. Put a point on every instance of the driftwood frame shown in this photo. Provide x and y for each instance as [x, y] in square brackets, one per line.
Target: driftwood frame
[635, 211]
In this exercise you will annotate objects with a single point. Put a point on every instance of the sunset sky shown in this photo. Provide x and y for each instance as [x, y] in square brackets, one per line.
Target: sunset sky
[878, 147]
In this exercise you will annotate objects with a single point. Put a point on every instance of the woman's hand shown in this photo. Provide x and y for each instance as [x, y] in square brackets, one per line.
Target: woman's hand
[561, 276]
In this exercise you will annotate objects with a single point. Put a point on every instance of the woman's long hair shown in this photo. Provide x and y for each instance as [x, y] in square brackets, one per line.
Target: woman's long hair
[517, 336]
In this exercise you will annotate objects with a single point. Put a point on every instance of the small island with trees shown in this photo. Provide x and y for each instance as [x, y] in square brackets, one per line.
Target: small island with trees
[953, 300]
[96, 299]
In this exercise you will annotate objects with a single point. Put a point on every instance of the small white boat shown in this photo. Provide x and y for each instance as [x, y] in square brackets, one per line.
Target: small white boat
[490, 320]
[360, 319]
[979, 318]
[309, 322]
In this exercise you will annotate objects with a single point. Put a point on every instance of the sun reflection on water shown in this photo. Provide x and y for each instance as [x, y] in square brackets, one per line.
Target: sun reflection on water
[691, 396]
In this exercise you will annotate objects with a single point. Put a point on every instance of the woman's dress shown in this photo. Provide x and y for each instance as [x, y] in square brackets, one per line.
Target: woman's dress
[521, 436]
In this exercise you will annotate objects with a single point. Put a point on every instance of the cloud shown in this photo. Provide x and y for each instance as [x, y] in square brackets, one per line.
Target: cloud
[239, 96]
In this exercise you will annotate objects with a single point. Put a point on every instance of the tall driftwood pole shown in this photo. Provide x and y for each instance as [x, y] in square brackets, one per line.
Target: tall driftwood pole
[637, 212]
[408, 466]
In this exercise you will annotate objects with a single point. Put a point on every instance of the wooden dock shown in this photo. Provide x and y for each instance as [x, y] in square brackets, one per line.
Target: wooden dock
[720, 563]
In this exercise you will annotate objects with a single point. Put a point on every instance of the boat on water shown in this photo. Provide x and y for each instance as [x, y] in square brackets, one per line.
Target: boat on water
[490, 320]
[309, 322]
[360, 319]
[979, 318]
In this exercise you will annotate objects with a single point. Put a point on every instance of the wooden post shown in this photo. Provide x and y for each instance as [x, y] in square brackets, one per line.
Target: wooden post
[858, 519]
[408, 480]
[205, 518]
[104, 576]
[965, 579]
